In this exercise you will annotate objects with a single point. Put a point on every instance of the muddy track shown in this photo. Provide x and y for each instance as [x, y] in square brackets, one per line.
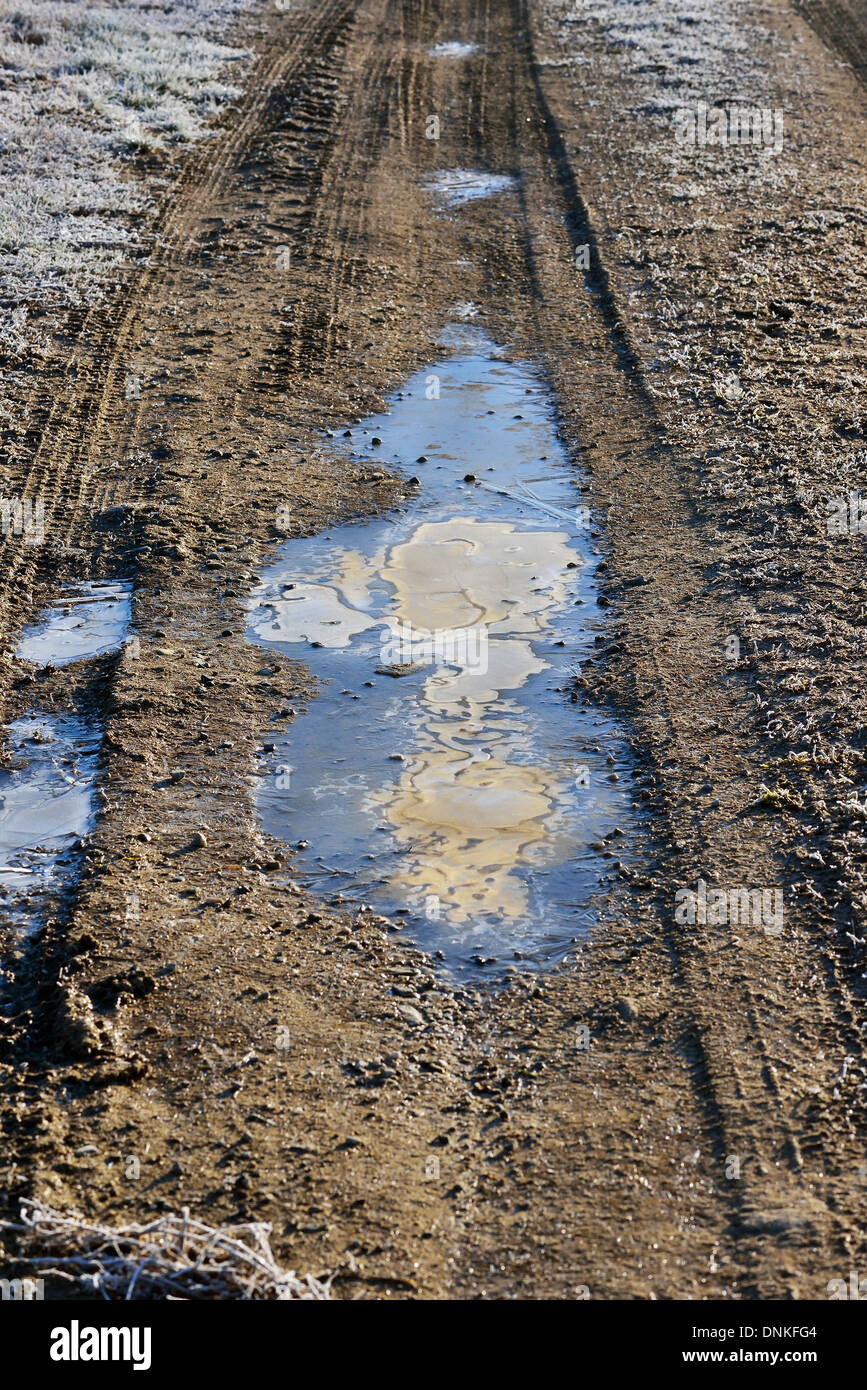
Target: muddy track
[842, 25]
[301, 272]
[92, 385]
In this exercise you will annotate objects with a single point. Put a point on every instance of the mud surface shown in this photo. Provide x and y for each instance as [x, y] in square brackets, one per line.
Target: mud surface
[676, 1111]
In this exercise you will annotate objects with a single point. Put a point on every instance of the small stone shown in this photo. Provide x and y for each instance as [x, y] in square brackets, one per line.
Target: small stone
[410, 1015]
[198, 841]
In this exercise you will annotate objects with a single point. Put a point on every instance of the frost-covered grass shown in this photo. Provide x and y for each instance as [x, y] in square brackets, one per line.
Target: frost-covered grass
[170, 1257]
[83, 87]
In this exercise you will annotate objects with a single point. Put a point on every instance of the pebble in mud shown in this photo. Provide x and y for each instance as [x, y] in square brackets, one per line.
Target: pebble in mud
[410, 1015]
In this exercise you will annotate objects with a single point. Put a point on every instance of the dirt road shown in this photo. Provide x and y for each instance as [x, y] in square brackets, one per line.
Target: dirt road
[698, 316]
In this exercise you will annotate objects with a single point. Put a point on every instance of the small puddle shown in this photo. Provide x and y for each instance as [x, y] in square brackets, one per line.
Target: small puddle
[454, 187]
[46, 806]
[453, 50]
[88, 620]
[47, 792]
[443, 774]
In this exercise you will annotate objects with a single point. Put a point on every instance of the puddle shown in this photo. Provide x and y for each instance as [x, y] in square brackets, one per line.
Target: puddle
[87, 621]
[46, 806]
[453, 50]
[443, 774]
[47, 793]
[465, 337]
[454, 187]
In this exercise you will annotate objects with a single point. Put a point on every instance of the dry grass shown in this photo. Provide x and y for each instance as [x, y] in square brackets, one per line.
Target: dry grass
[86, 86]
[174, 1257]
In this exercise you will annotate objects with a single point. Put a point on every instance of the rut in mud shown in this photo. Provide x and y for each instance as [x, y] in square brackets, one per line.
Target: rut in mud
[262, 1050]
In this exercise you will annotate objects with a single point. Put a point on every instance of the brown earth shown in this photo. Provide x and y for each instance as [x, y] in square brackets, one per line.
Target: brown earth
[299, 272]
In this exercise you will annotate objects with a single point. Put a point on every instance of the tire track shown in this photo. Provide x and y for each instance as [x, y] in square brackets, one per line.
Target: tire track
[605, 1170]
[91, 390]
[738, 1051]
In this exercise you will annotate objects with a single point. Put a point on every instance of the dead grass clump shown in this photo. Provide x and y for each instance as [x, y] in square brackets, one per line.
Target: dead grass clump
[173, 1257]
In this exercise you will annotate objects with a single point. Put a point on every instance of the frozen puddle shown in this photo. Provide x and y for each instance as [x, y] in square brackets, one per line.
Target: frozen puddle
[47, 792]
[46, 806]
[453, 50]
[89, 620]
[454, 187]
[443, 773]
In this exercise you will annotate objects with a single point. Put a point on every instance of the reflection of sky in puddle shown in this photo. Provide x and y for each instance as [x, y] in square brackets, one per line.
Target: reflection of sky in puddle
[454, 187]
[46, 805]
[452, 50]
[465, 793]
[88, 620]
